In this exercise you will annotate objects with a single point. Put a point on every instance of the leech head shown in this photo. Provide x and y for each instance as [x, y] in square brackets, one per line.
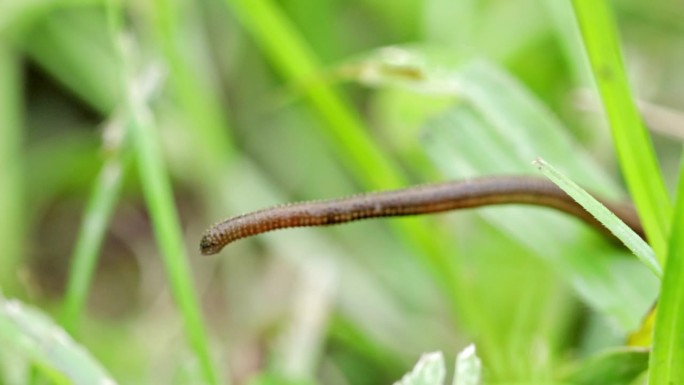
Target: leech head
[210, 244]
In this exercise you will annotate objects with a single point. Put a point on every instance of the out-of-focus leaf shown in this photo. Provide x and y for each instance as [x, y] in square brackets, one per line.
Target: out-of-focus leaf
[429, 370]
[28, 332]
[616, 367]
[274, 379]
[468, 367]
[643, 337]
[73, 46]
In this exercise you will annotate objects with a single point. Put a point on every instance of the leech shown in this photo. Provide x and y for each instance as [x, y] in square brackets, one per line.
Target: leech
[418, 200]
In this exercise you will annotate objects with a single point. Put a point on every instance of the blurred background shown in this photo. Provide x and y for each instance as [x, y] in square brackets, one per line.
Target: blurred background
[108, 109]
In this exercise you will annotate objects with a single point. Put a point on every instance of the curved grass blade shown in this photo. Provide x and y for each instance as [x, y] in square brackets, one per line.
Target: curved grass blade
[633, 242]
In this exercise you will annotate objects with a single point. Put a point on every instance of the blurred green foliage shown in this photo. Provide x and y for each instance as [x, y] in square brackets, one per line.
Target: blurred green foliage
[126, 128]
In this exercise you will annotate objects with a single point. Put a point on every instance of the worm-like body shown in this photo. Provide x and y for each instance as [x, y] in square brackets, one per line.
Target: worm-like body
[423, 199]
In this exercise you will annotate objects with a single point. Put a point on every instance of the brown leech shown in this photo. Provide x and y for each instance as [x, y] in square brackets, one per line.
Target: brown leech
[423, 199]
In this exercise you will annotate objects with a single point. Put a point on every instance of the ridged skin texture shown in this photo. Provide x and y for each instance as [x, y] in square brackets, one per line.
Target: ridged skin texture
[418, 200]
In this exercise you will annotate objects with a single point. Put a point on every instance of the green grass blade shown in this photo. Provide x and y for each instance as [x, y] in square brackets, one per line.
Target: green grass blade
[28, 332]
[11, 160]
[634, 149]
[294, 59]
[197, 94]
[165, 222]
[626, 235]
[158, 195]
[101, 204]
[665, 366]
[99, 210]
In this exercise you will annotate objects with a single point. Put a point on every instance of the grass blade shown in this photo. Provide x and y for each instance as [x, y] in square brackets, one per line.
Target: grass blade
[165, 222]
[99, 210]
[196, 92]
[637, 245]
[11, 219]
[668, 346]
[634, 149]
[158, 196]
[294, 59]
